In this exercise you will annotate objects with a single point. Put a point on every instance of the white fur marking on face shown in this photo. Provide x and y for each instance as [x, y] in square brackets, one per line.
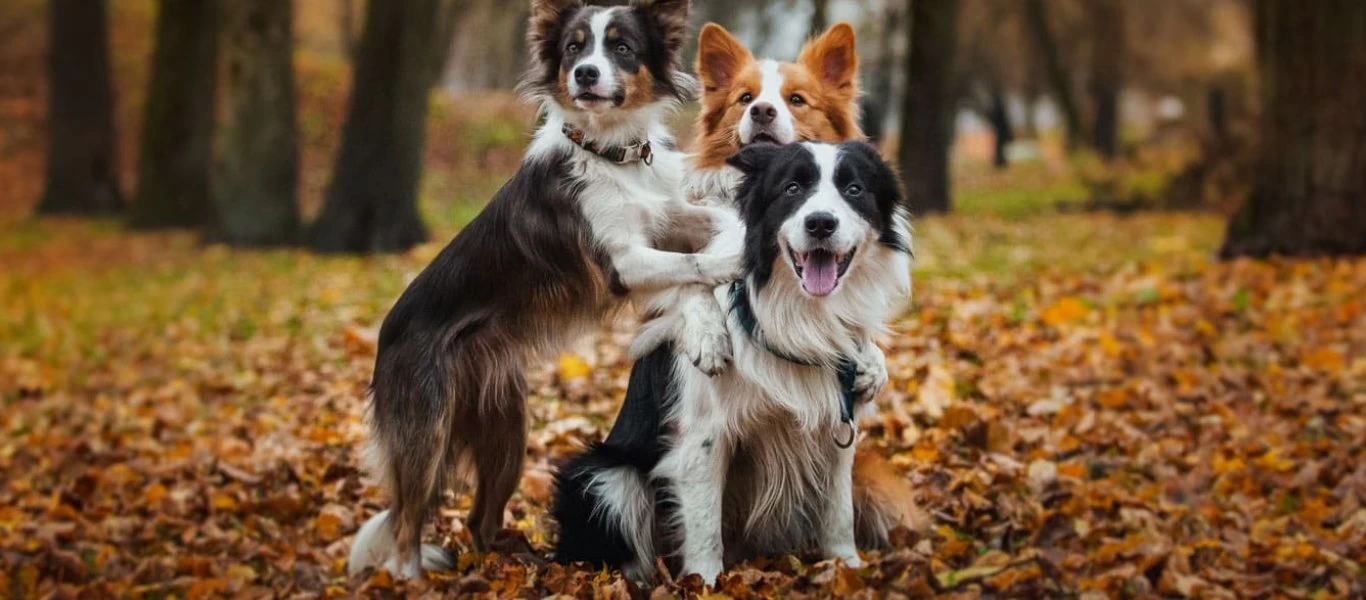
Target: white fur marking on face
[597, 56]
[770, 91]
[852, 231]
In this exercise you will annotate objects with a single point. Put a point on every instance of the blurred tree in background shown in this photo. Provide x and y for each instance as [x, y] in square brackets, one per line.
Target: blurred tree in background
[1310, 192]
[257, 177]
[372, 200]
[82, 165]
[928, 105]
[178, 118]
[1004, 80]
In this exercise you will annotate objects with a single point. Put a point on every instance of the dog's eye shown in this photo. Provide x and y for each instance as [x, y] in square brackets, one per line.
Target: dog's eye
[792, 189]
[796, 100]
[746, 98]
[854, 189]
[623, 49]
[573, 48]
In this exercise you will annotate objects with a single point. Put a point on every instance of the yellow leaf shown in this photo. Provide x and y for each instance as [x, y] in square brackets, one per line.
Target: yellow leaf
[572, 367]
[223, 501]
[1325, 359]
[154, 493]
[1066, 310]
[328, 526]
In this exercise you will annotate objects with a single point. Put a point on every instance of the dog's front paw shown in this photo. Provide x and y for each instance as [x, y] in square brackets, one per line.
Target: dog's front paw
[708, 348]
[716, 270]
[708, 571]
[871, 375]
[852, 561]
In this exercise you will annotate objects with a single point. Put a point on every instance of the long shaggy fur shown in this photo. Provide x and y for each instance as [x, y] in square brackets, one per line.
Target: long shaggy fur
[772, 422]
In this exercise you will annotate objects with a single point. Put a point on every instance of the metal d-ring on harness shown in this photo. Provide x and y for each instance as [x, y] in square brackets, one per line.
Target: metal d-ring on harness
[846, 371]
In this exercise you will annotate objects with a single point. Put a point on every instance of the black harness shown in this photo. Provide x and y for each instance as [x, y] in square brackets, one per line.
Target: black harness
[845, 371]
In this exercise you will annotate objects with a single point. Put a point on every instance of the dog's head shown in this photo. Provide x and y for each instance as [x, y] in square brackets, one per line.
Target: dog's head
[747, 101]
[597, 59]
[815, 212]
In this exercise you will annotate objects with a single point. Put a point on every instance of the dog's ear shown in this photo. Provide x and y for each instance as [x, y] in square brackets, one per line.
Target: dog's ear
[719, 57]
[832, 57]
[668, 17]
[548, 17]
[755, 158]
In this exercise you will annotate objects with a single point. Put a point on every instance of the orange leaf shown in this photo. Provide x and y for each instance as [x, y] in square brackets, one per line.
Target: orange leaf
[1066, 310]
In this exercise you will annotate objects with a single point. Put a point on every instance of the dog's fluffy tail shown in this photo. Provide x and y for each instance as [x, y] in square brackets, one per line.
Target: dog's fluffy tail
[374, 547]
[883, 500]
[605, 507]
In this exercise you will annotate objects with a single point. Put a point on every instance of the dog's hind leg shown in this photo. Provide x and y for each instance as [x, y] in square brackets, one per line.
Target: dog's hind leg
[498, 447]
[411, 414]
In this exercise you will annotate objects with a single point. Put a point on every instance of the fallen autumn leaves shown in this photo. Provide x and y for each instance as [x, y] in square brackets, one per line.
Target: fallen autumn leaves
[184, 422]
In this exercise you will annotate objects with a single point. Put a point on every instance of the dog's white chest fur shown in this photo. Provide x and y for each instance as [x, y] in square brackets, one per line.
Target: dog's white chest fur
[632, 197]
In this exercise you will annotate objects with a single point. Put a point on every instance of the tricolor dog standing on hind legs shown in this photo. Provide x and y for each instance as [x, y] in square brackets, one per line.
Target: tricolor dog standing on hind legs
[572, 234]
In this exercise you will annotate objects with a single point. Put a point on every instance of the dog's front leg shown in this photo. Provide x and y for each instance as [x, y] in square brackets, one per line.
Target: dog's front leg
[699, 485]
[871, 373]
[837, 526]
[645, 269]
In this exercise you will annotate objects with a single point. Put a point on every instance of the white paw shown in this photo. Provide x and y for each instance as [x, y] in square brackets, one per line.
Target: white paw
[410, 569]
[705, 341]
[871, 376]
[853, 561]
[709, 571]
[716, 270]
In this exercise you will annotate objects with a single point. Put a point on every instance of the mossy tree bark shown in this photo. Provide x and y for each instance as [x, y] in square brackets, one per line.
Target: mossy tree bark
[176, 154]
[257, 181]
[1309, 196]
[928, 106]
[82, 166]
[371, 203]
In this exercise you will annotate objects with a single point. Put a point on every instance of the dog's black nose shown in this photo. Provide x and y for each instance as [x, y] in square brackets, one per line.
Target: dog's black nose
[763, 113]
[821, 225]
[586, 75]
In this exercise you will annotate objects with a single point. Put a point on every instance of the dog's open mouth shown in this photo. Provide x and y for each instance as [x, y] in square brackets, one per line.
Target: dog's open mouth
[588, 100]
[763, 138]
[820, 270]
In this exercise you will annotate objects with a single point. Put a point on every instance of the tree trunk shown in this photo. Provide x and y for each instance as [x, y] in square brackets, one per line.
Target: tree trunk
[177, 125]
[877, 103]
[1107, 74]
[928, 105]
[82, 165]
[1036, 16]
[998, 114]
[346, 15]
[257, 181]
[1309, 195]
[372, 200]
[819, 9]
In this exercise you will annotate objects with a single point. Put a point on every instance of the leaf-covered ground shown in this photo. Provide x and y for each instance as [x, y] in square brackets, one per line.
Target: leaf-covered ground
[1086, 405]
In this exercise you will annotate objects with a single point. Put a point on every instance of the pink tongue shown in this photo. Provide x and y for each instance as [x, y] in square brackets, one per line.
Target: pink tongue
[819, 273]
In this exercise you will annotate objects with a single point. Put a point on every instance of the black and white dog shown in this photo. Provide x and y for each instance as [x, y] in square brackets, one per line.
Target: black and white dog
[578, 229]
[757, 460]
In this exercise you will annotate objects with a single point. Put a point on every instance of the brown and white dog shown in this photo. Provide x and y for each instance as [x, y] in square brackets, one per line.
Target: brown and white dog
[576, 231]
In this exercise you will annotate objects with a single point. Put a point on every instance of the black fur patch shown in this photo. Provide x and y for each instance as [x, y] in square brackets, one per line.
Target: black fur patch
[637, 441]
